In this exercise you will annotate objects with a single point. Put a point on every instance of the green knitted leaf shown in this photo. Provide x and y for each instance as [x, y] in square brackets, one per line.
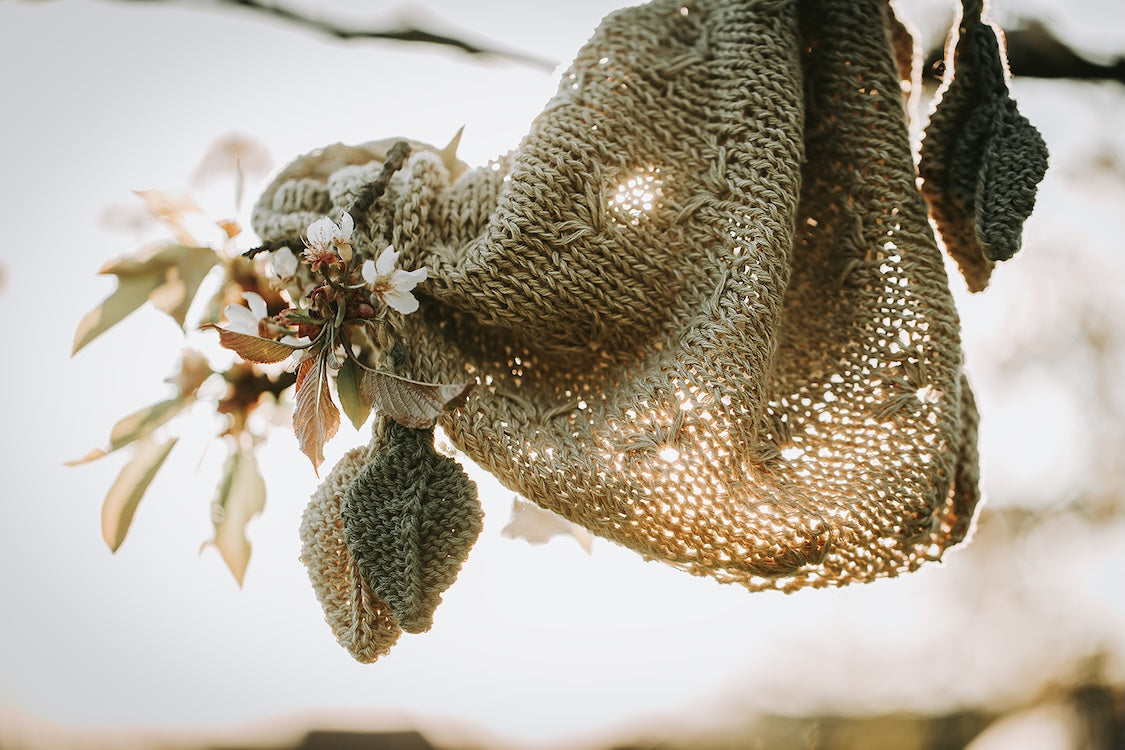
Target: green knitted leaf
[1015, 161]
[410, 518]
[981, 160]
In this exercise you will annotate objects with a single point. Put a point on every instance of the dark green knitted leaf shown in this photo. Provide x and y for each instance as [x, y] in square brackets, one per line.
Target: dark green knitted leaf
[981, 160]
[1013, 164]
[410, 518]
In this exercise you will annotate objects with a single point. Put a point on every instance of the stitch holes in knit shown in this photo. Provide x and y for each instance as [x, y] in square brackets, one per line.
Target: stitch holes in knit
[410, 518]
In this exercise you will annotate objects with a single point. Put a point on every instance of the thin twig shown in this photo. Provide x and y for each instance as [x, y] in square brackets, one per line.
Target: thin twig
[269, 247]
[374, 190]
[401, 34]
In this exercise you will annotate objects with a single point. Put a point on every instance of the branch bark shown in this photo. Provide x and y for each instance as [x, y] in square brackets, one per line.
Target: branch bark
[405, 33]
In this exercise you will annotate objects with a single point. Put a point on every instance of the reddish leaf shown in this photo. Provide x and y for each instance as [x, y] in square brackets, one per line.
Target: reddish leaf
[315, 418]
[409, 402]
[252, 348]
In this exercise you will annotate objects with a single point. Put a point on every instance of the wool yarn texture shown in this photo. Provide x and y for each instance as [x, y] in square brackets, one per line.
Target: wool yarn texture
[703, 300]
[410, 518]
[981, 160]
[362, 623]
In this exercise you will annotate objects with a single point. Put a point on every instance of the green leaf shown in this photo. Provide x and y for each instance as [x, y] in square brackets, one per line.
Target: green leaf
[410, 402]
[175, 296]
[315, 418]
[409, 519]
[146, 262]
[449, 154]
[141, 423]
[241, 496]
[352, 400]
[169, 276]
[130, 486]
[252, 348]
[132, 292]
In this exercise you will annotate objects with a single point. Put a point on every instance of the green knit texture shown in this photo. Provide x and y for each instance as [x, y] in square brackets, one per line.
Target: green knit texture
[410, 518]
[981, 159]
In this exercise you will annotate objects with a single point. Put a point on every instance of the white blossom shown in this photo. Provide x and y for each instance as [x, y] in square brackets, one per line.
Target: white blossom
[537, 525]
[301, 343]
[283, 264]
[325, 235]
[246, 319]
[393, 285]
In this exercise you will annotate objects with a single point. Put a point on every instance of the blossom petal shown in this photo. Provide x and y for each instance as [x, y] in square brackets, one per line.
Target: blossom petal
[407, 280]
[241, 320]
[385, 265]
[257, 306]
[283, 262]
[322, 232]
[402, 301]
[369, 272]
[302, 342]
[346, 226]
[296, 340]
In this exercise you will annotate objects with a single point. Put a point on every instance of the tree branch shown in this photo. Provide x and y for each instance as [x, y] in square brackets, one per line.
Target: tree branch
[1034, 52]
[413, 34]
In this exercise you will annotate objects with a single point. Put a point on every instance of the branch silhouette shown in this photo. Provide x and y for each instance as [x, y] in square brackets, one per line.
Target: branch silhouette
[411, 33]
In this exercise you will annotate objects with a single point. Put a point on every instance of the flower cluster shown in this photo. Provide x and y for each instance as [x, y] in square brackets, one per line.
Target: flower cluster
[318, 309]
[328, 279]
[308, 322]
[335, 298]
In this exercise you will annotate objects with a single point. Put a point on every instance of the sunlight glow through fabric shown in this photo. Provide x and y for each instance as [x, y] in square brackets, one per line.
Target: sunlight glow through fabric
[703, 300]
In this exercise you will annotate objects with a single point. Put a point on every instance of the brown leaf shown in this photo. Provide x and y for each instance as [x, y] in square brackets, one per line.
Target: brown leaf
[93, 455]
[241, 496]
[355, 404]
[409, 402]
[252, 348]
[125, 495]
[170, 209]
[315, 418]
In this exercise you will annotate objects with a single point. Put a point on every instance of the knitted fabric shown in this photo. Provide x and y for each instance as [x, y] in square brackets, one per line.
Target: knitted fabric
[362, 623]
[702, 297]
[981, 159]
[410, 518]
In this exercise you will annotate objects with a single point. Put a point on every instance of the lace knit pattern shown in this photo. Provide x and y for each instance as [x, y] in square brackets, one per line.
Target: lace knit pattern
[706, 308]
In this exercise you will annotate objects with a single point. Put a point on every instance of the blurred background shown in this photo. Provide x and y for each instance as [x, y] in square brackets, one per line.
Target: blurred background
[1015, 641]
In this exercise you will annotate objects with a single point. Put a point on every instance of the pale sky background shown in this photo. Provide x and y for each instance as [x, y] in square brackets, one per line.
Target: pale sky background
[533, 645]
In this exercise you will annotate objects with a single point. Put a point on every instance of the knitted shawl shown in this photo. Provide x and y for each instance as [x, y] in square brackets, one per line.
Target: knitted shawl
[703, 301]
